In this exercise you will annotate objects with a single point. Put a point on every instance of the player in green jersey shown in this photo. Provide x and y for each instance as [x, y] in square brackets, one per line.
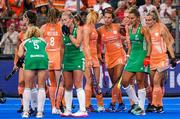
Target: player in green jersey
[138, 62]
[73, 64]
[36, 64]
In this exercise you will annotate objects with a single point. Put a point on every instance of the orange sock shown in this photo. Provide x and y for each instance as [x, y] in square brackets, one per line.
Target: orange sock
[163, 90]
[59, 97]
[113, 96]
[157, 96]
[20, 89]
[100, 101]
[88, 94]
[52, 88]
[160, 101]
[116, 95]
[119, 96]
[52, 95]
[149, 94]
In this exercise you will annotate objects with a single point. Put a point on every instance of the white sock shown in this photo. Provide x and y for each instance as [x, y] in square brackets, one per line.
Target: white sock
[142, 97]
[131, 93]
[81, 98]
[68, 96]
[34, 93]
[41, 99]
[26, 99]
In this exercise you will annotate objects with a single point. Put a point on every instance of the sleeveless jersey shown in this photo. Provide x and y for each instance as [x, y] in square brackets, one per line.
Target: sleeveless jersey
[73, 56]
[35, 56]
[52, 34]
[138, 52]
[114, 52]
[159, 58]
[93, 36]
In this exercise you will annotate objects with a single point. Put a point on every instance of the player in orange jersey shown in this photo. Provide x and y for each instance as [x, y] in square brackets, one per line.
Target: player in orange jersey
[53, 35]
[91, 57]
[23, 29]
[115, 56]
[162, 42]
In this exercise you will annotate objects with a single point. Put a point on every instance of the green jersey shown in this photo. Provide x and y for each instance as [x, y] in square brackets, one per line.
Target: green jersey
[73, 56]
[138, 52]
[35, 55]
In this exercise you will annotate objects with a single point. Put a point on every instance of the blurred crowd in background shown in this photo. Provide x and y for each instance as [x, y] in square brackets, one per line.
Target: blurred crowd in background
[11, 12]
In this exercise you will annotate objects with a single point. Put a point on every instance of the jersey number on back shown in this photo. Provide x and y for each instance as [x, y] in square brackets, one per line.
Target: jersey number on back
[52, 41]
[36, 46]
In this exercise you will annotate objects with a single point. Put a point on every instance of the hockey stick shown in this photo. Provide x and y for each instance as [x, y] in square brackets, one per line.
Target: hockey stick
[19, 65]
[105, 84]
[11, 74]
[95, 84]
[57, 90]
[119, 79]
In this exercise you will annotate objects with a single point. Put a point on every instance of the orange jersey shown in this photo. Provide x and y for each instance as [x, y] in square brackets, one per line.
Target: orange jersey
[53, 36]
[114, 52]
[93, 47]
[21, 36]
[158, 57]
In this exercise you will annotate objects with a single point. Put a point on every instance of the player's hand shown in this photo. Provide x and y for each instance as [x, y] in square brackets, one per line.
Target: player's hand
[65, 30]
[146, 61]
[15, 67]
[20, 62]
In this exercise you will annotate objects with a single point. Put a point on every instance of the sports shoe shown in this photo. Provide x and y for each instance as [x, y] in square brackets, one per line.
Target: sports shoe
[121, 107]
[160, 109]
[129, 111]
[148, 108]
[62, 108]
[39, 115]
[137, 110]
[80, 114]
[33, 112]
[101, 109]
[111, 108]
[67, 113]
[25, 114]
[90, 109]
[20, 110]
[151, 108]
[55, 110]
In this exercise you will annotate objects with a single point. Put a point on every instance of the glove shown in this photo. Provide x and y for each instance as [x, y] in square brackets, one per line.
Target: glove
[146, 61]
[20, 62]
[65, 30]
[173, 62]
